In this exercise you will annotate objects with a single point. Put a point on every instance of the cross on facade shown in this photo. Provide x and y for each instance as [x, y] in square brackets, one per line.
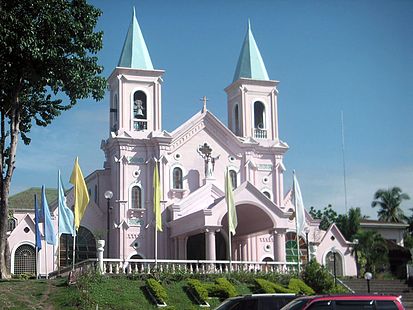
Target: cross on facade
[204, 101]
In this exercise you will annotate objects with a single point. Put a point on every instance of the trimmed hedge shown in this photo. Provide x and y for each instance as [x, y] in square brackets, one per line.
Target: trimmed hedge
[299, 287]
[157, 290]
[268, 287]
[222, 288]
[200, 291]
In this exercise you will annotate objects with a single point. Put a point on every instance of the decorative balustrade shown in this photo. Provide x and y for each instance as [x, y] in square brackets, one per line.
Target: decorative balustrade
[142, 266]
[260, 133]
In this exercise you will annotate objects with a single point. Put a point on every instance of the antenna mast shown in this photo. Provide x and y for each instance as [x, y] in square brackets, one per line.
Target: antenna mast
[344, 160]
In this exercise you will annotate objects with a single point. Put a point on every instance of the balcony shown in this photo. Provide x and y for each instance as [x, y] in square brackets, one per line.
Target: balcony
[140, 125]
[260, 133]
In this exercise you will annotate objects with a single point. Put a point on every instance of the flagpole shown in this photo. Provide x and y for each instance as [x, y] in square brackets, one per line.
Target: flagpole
[73, 253]
[296, 224]
[229, 246]
[45, 258]
[156, 246]
[58, 225]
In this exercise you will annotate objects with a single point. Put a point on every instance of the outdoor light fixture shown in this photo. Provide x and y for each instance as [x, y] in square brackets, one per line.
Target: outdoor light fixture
[108, 195]
[368, 276]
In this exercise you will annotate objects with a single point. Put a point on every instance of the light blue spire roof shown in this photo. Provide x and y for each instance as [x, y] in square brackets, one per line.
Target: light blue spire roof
[135, 54]
[250, 64]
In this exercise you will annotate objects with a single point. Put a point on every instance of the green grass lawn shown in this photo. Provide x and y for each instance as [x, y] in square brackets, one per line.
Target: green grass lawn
[106, 292]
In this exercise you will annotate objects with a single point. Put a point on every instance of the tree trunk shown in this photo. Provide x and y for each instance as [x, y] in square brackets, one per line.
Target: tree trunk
[6, 177]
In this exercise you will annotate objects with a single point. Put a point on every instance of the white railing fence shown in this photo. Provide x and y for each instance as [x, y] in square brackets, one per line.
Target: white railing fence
[139, 266]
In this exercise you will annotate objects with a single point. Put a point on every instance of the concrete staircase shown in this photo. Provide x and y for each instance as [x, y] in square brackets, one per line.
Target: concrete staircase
[394, 287]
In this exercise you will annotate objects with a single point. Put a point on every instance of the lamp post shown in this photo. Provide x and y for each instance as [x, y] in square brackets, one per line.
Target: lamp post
[368, 276]
[307, 230]
[108, 196]
[334, 251]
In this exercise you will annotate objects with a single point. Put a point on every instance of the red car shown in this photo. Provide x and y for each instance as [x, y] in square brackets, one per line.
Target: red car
[346, 302]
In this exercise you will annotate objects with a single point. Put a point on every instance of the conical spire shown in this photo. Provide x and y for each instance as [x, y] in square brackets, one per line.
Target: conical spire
[135, 54]
[250, 64]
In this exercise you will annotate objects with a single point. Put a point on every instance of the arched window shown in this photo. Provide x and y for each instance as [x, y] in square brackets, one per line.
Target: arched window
[291, 248]
[85, 247]
[267, 193]
[233, 176]
[25, 260]
[11, 224]
[96, 194]
[259, 115]
[177, 178]
[139, 111]
[136, 197]
[114, 113]
[334, 258]
[236, 120]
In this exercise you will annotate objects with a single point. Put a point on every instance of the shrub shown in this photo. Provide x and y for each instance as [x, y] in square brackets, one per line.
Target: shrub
[265, 286]
[157, 290]
[222, 288]
[299, 287]
[317, 277]
[200, 291]
[225, 285]
[338, 289]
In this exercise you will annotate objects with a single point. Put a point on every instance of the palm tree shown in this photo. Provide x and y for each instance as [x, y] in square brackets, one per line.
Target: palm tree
[389, 202]
[372, 247]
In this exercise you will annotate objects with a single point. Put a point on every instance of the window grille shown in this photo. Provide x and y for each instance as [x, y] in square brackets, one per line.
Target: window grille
[136, 197]
[25, 260]
[11, 224]
[177, 178]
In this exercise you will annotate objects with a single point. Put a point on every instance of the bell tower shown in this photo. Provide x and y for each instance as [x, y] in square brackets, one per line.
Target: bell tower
[135, 87]
[252, 96]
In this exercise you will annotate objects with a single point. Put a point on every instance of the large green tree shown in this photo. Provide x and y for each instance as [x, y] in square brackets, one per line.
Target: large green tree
[47, 49]
[349, 224]
[389, 202]
[372, 247]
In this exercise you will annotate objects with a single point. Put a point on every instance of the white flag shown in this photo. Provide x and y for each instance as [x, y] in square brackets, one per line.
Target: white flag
[299, 206]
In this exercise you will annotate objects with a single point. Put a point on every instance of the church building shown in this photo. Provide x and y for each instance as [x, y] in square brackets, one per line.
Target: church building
[192, 161]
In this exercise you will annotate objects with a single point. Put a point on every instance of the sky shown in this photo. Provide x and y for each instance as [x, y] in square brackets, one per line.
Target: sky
[329, 56]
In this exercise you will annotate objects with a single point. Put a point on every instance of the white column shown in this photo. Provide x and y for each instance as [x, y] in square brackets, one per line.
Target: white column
[100, 249]
[181, 248]
[279, 245]
[210, 244]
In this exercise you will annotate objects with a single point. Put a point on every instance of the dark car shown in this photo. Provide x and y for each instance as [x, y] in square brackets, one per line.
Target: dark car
[257, 302]
[346, 302]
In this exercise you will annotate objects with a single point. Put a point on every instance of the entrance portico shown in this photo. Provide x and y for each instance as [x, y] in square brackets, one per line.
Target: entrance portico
[260, 232]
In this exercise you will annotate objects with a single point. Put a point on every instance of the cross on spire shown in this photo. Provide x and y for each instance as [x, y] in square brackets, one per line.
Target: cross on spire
[204, 101]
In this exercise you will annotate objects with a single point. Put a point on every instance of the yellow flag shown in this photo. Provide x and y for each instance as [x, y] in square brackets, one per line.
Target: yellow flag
[229, 197]
[157, 198]
[81, 193]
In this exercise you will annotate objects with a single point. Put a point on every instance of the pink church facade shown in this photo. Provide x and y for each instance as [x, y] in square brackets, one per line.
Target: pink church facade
[192, 161]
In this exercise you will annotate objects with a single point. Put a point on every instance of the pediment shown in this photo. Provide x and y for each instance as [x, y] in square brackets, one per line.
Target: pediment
[200, 199]
[203, 121]
[26, 221]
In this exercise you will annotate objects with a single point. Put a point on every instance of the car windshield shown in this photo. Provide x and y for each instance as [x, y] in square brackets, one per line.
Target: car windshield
[227, 304]
[295, 304]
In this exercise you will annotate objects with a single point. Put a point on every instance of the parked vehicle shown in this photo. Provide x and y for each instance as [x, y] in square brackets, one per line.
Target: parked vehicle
[346, 302]
[257, 302]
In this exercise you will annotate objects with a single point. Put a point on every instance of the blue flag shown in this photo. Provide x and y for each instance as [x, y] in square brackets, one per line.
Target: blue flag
[36, 223]
[66, 219]
[49, 234]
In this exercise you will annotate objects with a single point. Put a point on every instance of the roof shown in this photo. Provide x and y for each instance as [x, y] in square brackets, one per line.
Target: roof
[25, 199]
[380, 224]
[250, 64]
[135, 54]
